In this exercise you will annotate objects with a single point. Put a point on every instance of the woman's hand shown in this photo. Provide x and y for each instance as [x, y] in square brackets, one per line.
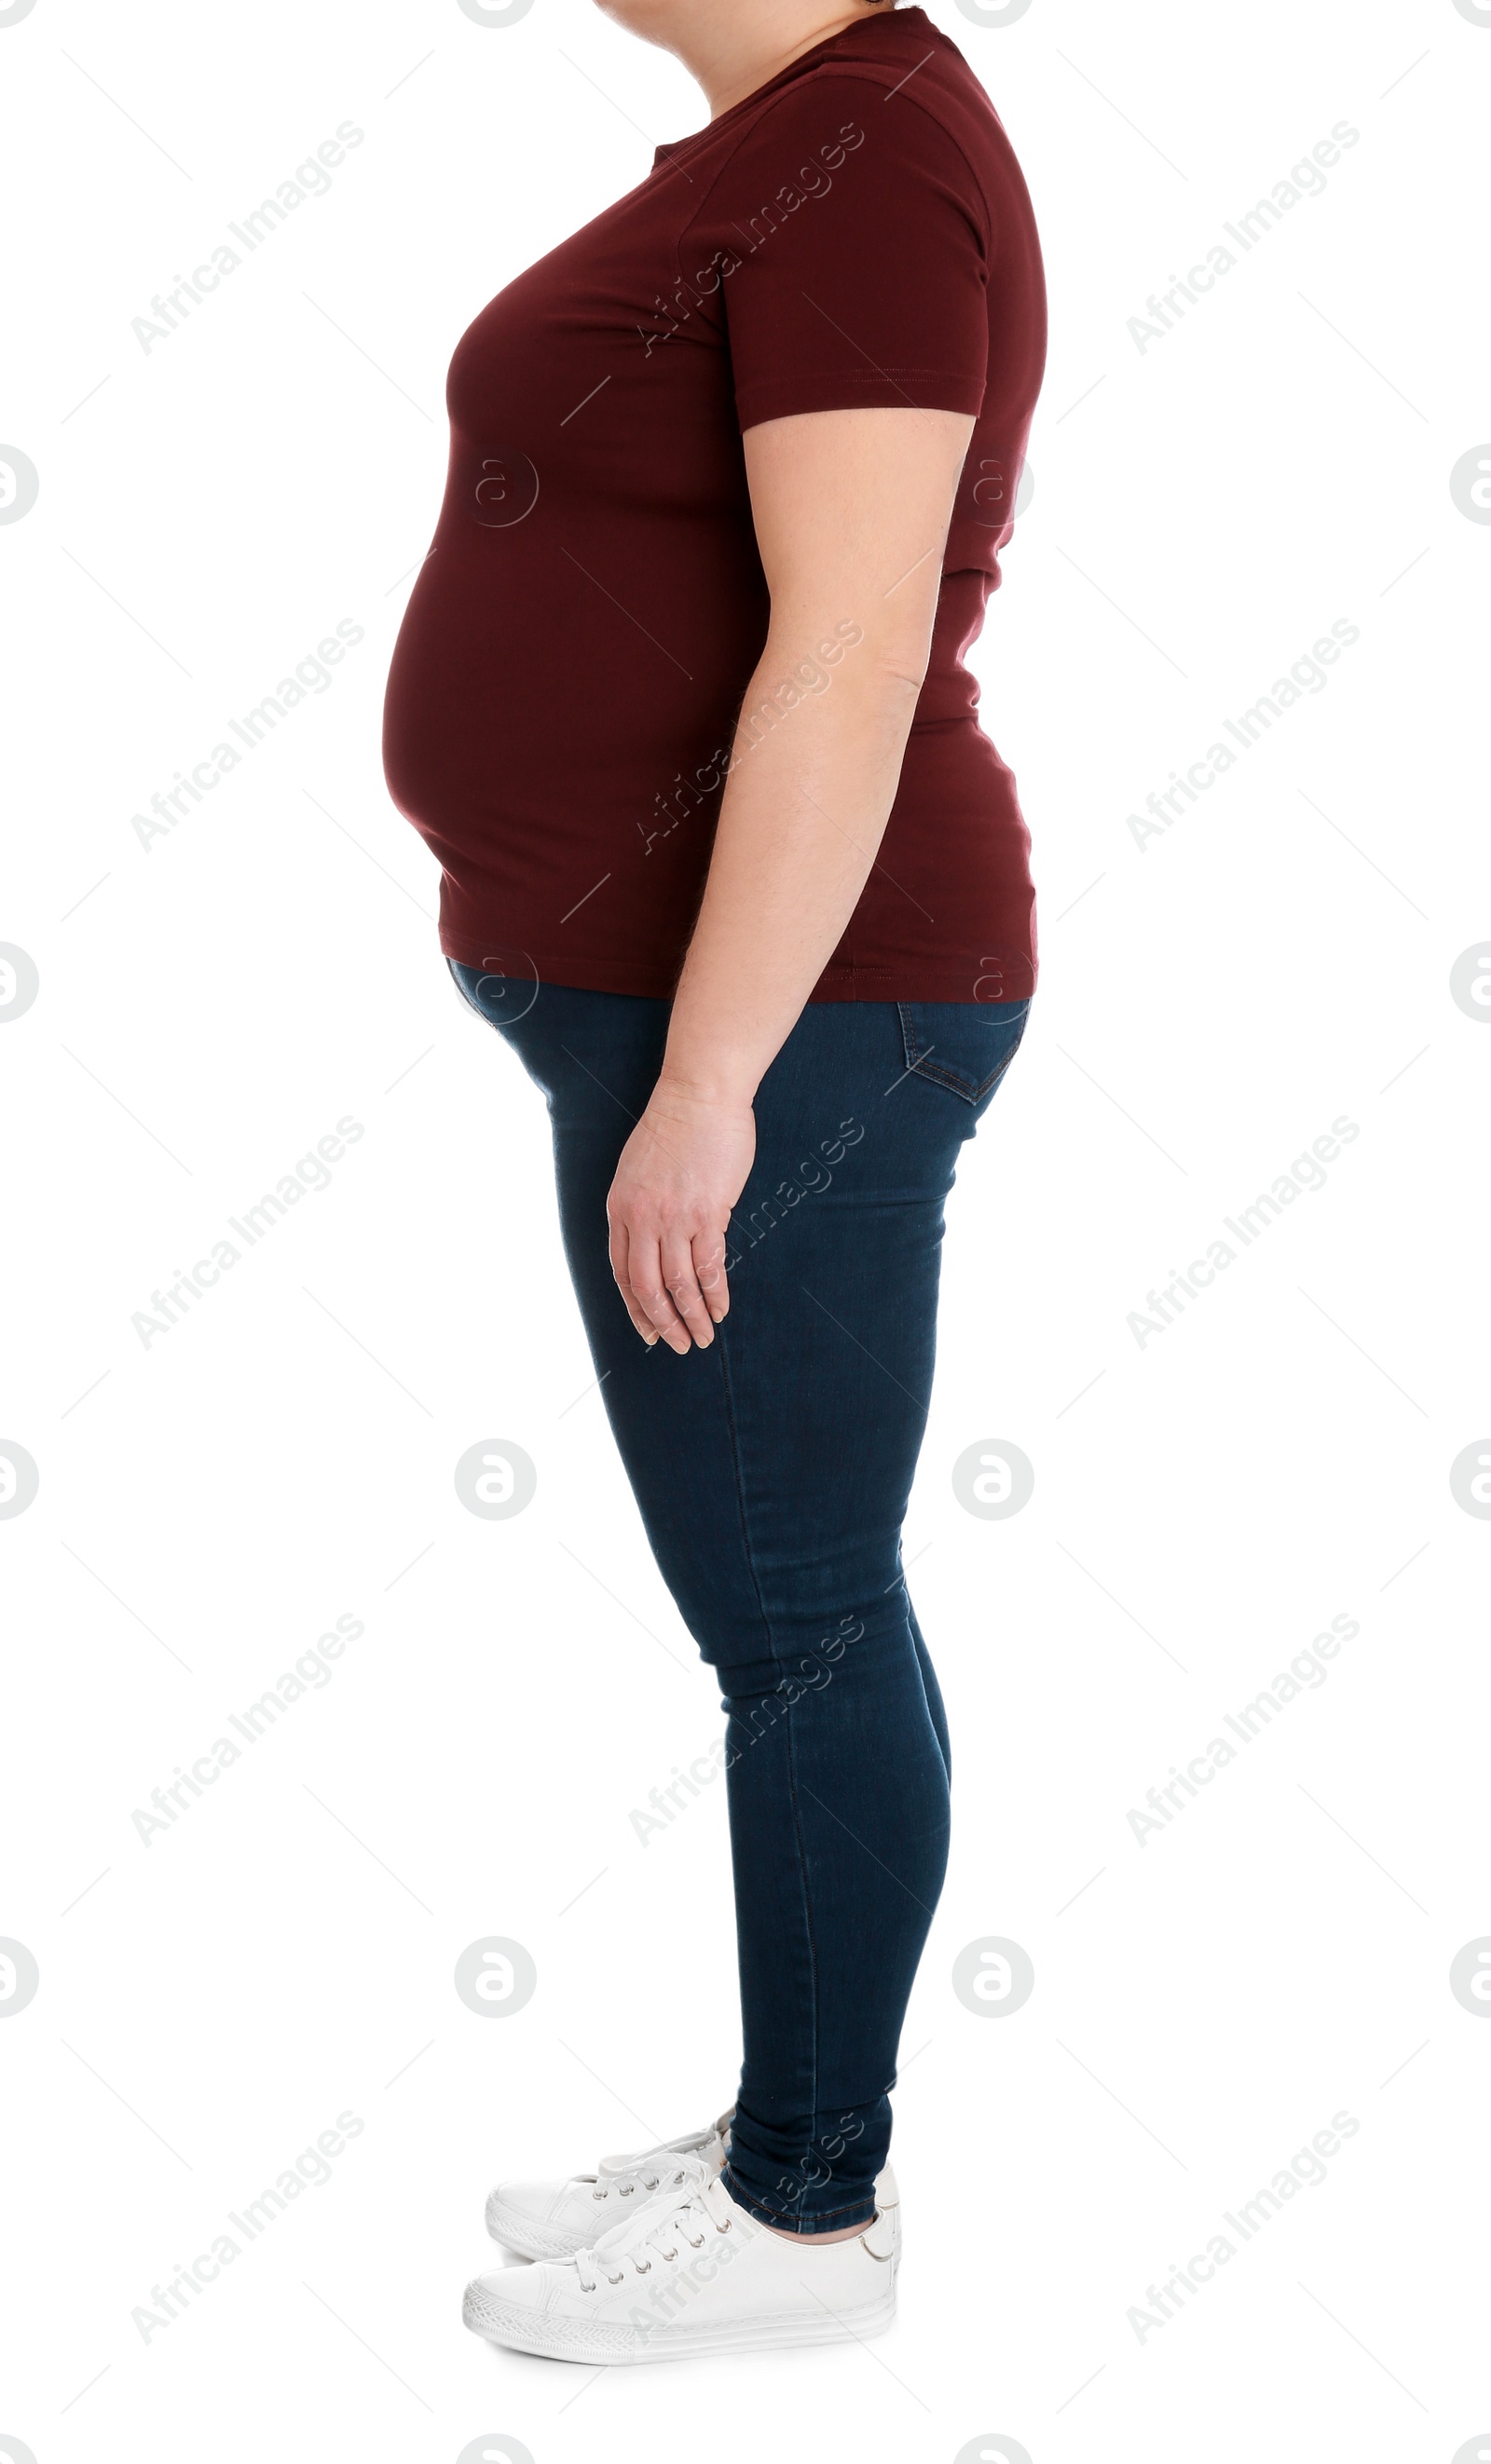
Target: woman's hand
[680, 1171]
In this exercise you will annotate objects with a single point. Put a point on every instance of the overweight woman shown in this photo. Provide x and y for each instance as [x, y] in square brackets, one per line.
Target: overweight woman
[679, 705]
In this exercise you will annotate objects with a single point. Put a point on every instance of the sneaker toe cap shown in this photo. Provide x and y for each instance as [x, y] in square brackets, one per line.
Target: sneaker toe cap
[540, 2219]
[535, 2201]
[508, 2293]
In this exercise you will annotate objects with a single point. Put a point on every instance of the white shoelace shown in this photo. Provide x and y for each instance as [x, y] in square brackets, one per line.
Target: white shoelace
[642, 2177]
[658, 2231]
[658, 2159]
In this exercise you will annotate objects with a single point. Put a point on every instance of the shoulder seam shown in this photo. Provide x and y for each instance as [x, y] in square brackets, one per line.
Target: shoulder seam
[867, 74]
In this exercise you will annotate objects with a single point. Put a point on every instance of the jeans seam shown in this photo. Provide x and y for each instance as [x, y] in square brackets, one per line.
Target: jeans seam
[955, 1081]
[792, 1757]
[721, 1340]
[957, 1084]
[812, 1940]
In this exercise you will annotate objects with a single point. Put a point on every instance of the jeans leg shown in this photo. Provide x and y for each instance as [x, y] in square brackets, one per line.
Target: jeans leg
[773, 1472]
[839, 1823]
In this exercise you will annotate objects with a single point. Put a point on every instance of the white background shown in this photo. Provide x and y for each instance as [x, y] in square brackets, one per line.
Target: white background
[1203, 510]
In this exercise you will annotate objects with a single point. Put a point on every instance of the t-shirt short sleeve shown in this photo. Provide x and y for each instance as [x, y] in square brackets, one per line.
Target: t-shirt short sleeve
[848, 237]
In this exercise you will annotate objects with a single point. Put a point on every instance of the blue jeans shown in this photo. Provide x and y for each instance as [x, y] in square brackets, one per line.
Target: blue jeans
[772, 1471]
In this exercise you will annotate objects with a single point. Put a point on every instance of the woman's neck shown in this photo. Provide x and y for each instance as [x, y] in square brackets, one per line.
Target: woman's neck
[735, 50]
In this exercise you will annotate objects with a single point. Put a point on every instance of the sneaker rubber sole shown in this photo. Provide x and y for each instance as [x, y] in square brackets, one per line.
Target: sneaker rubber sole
[560, 2338]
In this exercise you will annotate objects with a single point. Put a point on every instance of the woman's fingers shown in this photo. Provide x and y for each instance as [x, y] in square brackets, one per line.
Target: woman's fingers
[676, 1254]
[680, 1174]
[709, 1268]
[620, 1267]
[672, 1285]
[645, 1278]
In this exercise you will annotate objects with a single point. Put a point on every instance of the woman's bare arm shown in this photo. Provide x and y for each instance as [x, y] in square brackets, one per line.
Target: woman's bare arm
[852, 509]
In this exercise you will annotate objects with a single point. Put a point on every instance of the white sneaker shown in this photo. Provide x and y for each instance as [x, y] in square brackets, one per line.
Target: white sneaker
[555, 2219]
[696, 2276]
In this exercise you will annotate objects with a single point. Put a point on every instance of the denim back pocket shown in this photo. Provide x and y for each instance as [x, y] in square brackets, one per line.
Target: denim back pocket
[966, 1047]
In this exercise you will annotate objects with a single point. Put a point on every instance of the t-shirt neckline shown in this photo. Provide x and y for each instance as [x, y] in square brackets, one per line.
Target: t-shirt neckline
[895, 16]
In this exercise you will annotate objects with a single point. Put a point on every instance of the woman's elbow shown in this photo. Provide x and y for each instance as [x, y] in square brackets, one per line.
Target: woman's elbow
[897, 670]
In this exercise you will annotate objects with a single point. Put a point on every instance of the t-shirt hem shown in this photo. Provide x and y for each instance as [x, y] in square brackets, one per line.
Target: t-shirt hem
[952, 978]
[839, 389]
[582, 974]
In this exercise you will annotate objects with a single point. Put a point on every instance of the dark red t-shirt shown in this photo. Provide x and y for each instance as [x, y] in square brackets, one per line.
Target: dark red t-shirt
[577, 647]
